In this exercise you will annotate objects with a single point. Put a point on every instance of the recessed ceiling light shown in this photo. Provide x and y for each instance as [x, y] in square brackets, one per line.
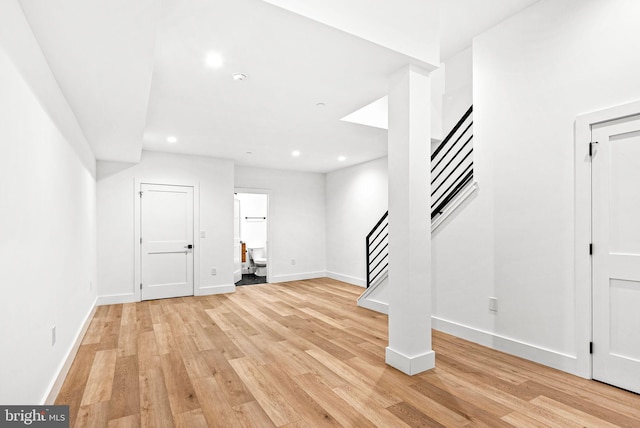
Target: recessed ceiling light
[171, 139]
[295, 153]
[320, 105]
[239, 76]
[214, 60]
[342, 158]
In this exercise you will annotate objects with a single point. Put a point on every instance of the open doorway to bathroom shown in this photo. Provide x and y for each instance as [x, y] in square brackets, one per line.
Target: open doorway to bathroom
[252, 221]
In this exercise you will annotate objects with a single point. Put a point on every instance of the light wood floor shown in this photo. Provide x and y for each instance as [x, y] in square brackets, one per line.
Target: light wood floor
[302, 354]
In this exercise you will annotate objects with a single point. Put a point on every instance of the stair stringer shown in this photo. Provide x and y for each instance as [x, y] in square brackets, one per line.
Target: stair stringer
[376, 297]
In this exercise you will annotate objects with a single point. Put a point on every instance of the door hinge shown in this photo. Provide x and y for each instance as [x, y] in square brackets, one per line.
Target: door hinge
[140, 286]
[591, 147]
[590, 249]
[140, 192]
[141, 240]
[591, 347]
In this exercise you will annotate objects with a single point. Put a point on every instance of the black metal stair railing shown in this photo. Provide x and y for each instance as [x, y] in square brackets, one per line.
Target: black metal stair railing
[451, 171]
[452, 164]
[377, 242]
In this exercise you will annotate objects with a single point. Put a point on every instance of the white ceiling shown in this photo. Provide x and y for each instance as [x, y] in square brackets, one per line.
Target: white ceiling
[133, 72]
[101, 54]
[462, 20]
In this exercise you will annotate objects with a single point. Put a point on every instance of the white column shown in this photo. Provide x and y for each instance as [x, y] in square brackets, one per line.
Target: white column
[409, 166]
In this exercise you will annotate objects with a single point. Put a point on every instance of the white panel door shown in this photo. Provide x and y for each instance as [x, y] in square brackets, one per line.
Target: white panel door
[166, 231]
[237, 247]
[616, 252]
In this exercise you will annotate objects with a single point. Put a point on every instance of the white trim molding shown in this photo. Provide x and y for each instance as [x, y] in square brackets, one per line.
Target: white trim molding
[347, 278]
[452, 206]
[116, 299]
[548, 357]
[373, 305]
[368, 298]
[63, 371]
[297, 276]
[410, 365]
[215, 289]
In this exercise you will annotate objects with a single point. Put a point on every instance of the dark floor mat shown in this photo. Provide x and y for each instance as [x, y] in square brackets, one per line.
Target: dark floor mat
[250, 279]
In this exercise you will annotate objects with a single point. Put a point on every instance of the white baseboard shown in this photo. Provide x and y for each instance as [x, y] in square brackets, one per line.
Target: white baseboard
[115, 299]
[410, 365]
[370, 299]
[547, 357]
[216, 289]
[374, 305]
[56, 384]
[348, 279]
[297, 276]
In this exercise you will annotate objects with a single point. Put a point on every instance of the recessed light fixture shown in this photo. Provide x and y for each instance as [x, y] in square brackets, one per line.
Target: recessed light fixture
[342, 158]
[239, 76]
[172, 139]
[295, 153]
[213, 60]
[320, 105]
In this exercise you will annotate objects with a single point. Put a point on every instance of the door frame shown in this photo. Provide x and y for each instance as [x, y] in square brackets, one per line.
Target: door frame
[239, 250]
[583, 230]
[137, 252]
[269, 242]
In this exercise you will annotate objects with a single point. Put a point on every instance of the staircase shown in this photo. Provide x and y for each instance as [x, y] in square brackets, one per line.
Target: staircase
[377, 243]
[452, 165]
[451, 178]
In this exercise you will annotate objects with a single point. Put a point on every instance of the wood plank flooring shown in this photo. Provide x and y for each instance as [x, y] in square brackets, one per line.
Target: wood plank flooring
[303, 354]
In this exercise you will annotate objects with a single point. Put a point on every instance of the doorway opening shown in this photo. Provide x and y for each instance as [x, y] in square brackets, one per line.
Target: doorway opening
[251, 237]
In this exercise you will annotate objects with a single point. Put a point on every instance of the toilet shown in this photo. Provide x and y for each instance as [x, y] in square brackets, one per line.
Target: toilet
[259, 257]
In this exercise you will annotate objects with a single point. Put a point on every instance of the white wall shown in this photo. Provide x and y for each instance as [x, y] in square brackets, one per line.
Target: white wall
[253, 232]
[356, 199]
[115, 202]
[533, 74]
[47, 227]
[458, 88]
[451, 94]
[296, 220]
[437, 79]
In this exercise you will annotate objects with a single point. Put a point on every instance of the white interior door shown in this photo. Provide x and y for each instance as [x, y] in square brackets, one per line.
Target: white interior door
[237, 247]
[166, 231]
[616, 252]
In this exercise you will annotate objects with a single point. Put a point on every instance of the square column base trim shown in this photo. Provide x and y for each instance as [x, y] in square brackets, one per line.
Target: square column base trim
[410, 365]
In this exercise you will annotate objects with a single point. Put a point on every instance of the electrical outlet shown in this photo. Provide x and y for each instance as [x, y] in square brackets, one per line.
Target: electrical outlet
[53, 335]
[493, 304]
[203, 234]
[293, 262]
[214, 271]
